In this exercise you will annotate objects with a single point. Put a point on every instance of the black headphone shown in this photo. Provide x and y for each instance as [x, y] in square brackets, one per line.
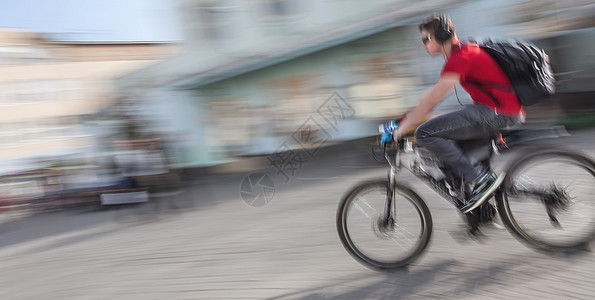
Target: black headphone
[443, 33]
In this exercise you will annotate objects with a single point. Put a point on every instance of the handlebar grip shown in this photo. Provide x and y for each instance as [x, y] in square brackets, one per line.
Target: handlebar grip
[386, 138]
[387, 132]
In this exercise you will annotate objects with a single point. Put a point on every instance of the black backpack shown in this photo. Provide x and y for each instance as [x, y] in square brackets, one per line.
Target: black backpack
[526, 66]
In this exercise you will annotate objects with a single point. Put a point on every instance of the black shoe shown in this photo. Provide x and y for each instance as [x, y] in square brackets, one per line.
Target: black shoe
[482, 190]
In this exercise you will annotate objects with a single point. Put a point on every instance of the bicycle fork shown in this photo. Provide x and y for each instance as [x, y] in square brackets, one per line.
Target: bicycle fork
[388, 219]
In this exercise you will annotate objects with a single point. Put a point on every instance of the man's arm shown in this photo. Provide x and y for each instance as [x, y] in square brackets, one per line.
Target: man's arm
[425, 105]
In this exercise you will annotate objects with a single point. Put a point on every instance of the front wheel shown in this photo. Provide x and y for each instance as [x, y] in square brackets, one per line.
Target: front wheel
[379, 241]
[547, 200]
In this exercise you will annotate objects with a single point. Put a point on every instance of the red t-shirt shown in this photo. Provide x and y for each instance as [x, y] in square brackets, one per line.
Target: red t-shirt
[474, 64]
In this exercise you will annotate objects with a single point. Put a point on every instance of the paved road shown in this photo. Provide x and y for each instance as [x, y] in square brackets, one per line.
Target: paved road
[215, 246]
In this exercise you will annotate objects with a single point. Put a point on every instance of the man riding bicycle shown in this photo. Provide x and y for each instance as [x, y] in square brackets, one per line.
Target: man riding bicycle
[465, 64]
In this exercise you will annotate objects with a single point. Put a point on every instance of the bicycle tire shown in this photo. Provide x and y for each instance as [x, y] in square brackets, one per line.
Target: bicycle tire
[422, 236]
[549, 180]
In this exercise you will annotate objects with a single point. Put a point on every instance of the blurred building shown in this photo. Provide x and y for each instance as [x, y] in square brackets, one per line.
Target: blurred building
[50, 91]
[258, 76]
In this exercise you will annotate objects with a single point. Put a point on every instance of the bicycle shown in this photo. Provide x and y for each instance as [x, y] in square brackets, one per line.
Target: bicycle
[544, 199]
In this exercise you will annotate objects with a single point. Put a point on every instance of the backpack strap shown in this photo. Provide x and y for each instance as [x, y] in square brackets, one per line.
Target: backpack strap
[481, 86]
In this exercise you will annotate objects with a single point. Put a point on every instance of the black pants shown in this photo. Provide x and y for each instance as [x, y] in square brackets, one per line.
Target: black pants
[440, 134]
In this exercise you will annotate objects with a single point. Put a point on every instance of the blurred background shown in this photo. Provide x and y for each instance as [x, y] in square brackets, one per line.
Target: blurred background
[125, 96]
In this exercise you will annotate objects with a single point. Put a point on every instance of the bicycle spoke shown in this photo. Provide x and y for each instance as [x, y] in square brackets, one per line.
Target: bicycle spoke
[409, 241]
[404, 230]
[363, 210]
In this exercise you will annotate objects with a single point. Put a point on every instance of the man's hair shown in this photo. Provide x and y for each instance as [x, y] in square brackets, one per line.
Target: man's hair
[434, 22]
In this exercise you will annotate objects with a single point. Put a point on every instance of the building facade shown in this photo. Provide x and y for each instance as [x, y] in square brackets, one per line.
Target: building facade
[256, 74]
[50, 90]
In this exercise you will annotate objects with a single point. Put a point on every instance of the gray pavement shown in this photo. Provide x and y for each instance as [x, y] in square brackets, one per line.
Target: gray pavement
[210, 244]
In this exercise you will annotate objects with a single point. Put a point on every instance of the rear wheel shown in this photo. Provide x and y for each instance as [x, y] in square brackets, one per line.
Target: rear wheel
[376, 241]
[547, 200]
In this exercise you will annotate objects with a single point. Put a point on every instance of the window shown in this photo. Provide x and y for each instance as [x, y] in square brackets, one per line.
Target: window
[280, 7]
[281, 17]
[215, 19]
